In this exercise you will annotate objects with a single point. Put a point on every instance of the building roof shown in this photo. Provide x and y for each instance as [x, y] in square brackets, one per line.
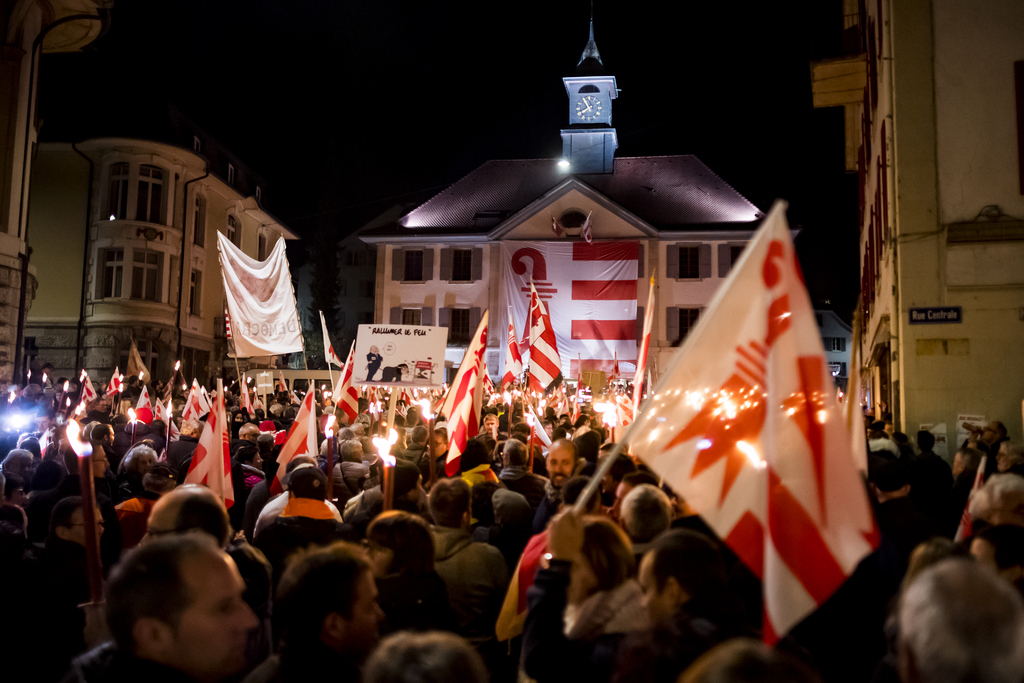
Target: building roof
[667, 192]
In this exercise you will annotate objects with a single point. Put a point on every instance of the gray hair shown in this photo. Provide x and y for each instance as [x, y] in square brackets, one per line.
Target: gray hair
[129, 459]
[191, 428]
[971, 457]
[18, 461]
[996, 494]
[646, 512]
[351, 450]
[515, 453]
[961, 622]
[431, 657]
[1014, 452]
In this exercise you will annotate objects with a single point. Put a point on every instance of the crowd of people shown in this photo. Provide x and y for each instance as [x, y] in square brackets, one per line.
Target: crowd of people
[492, 573]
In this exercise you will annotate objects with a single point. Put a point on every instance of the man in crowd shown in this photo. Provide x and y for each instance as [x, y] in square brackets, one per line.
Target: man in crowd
[181, 450]
[516, 475]
[133, 514]
[175, 610]
[474, 573]
[328, 617]
[646, 514]
[960, 622]
[561, 465]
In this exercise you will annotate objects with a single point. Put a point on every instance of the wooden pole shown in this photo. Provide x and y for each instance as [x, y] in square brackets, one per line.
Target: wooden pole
[431, 452]
[94, 571]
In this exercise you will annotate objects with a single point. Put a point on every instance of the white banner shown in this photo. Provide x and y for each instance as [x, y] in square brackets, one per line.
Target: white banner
[260, 301]
[590, 291]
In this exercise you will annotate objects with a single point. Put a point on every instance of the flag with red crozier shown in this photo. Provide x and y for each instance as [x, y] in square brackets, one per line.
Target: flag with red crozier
[965, 528]
[211, 464]
[745, 426]
[545, 363]
[281, 386]
[88, 390]
[513, 359]
[645, 344]
[463, 404]
[301, 440]
[115, 385]
[144, 400]
[193, 409]
[348, 396]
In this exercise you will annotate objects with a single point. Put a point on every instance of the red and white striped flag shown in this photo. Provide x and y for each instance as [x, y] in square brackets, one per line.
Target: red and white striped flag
[965, 528]
[115, 385]
[227, 324]
[281, 386]
[465, 398]
[586, 231]
[545, 363]
[246, 400]
[144, 401]
[329, 355]
[744, 425]
[211, 463]
[301, 440]
[645, 345]
[348, 396]
[88, 390]
[513, 359]
[488, 384]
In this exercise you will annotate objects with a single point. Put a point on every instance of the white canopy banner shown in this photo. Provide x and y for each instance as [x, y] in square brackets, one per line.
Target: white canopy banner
[260, 301]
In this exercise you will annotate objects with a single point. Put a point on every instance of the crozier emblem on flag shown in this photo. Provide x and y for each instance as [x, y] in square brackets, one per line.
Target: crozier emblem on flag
[590, 292]
[745, 425]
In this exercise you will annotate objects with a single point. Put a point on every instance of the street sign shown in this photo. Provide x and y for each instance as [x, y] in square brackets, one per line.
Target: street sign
[936, 315]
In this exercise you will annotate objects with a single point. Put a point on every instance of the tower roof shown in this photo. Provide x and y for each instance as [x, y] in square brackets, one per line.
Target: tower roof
[590, 63]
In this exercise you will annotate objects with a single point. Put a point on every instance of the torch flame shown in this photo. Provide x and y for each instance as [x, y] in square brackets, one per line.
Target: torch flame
[329, 425]
[392, 436]
[425, 409]
[81, 448]
[131, 415]
[177, 366]
[389, 460]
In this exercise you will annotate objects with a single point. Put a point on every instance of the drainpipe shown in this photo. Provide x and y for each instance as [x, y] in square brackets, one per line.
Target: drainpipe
[85, 261]
[103, 16]
[181, 274]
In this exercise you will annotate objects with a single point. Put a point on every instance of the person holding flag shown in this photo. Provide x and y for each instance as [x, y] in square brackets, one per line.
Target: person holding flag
[513, 359]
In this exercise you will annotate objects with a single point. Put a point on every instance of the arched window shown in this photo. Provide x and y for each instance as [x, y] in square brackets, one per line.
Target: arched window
[232, 230]
[572, 218]
[589, 88]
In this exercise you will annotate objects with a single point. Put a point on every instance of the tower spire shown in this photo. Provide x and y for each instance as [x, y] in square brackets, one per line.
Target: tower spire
[590, 51]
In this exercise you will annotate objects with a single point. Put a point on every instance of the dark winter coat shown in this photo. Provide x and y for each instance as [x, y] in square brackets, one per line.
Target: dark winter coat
[123, 441]
[40, 507]
[475, 576]
[530, 485]
[107, 664]
[181, 450]
[288, 534]
[416, 603]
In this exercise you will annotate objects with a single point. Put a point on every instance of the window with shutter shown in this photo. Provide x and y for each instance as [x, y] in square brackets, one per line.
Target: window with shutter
[411, 316]
[413, 265]
[689, 262]
[462, 265]
[458, 327]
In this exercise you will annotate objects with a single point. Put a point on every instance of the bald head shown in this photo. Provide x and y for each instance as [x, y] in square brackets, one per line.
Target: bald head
[249, 432]
[190, 507]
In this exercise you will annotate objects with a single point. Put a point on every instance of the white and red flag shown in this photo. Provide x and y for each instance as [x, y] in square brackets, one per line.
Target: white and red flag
[116, 384]
[965, 528]
[590, 291]
[645, 345]
[301, 440]
[144, 400]
[196, 405]
[329, 355]
[211, 463]
[513, 359]
[586, 231]
[88, 394]
[348, 396]
[545, 363]
[745, 426]
[281, 386]
[556, 227]
[463, 404]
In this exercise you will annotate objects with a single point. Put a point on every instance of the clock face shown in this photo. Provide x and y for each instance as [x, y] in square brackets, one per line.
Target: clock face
[588, 108]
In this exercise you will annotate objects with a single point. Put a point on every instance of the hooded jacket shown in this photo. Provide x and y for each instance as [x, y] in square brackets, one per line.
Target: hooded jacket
[475, 576]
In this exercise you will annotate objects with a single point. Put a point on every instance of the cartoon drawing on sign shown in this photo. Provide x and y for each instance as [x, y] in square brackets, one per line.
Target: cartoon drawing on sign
[395, 374]
[373, 361]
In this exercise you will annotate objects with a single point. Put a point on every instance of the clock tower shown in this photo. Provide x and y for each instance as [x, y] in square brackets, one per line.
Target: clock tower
[589, 143]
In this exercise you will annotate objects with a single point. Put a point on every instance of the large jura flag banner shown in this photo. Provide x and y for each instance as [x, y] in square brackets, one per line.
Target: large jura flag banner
[745, 426]
[590, 291]
[260, 302]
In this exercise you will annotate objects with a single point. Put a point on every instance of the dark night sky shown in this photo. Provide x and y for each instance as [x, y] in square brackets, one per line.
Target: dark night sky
[348, 107]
